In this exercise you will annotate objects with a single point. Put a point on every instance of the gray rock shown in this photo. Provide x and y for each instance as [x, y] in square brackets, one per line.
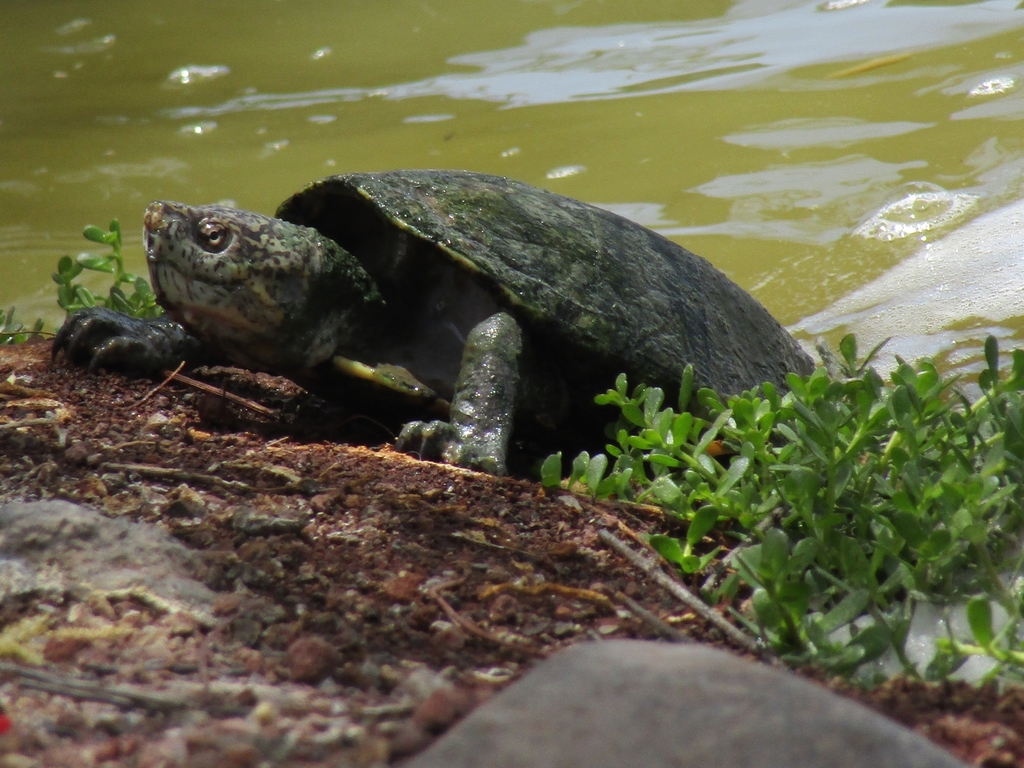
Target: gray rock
[19, 580]
[649, 705]
[46, 545]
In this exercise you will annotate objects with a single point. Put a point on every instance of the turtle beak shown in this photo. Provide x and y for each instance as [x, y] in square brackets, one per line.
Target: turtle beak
[152, 222]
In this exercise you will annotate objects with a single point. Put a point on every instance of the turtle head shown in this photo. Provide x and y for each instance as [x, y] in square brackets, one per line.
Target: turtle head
[266, 293]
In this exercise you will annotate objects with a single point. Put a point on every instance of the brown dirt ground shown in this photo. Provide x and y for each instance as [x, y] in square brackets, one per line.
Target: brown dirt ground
[369, 600]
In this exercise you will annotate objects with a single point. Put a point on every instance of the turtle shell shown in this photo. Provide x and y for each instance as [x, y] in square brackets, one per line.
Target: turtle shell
[597, 294]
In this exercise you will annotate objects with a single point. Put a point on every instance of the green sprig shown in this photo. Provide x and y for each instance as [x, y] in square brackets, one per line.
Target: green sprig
[14, 332]
[850, 500]
[71, 296]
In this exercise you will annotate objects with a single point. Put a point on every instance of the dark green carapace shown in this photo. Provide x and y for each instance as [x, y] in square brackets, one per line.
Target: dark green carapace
[513, 304]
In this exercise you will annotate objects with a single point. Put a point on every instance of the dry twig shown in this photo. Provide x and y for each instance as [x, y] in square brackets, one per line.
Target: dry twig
[471, 626]
[202, 386]
[26, 423]
[484, 542]
[170, 375]
[83, 689]
[168, 473]
[654, 621]
[547, 587]
[652, 568]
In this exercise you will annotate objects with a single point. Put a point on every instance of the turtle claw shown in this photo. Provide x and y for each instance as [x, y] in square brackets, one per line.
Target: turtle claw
[97, 338]
[443, 441]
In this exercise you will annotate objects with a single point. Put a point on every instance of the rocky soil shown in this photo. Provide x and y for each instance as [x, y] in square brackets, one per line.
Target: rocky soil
[332, 604]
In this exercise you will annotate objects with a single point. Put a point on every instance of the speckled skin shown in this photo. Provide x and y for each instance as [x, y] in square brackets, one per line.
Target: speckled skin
[267, 296]
[516, 304]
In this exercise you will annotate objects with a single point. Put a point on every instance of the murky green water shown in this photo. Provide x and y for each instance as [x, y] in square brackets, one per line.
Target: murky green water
[743, 130]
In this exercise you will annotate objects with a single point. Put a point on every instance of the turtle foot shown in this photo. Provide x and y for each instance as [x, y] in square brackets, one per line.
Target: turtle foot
[102, 338]
[442, 441]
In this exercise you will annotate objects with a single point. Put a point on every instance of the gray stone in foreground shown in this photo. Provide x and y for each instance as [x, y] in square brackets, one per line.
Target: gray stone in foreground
[634, 704]
[47, 547]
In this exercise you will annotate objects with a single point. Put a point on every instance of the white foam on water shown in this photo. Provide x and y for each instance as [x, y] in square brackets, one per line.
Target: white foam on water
[955, 290]
[917, 213]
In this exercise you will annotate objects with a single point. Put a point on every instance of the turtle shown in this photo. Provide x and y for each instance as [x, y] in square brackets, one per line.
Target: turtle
[504, 306]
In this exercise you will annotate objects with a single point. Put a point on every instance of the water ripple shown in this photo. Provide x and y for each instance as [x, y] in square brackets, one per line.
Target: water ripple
[745, 47]
[819, 132]
[942, 295]
[927, 208]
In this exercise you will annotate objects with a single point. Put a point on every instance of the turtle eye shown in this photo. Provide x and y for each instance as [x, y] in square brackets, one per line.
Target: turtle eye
[212, 236]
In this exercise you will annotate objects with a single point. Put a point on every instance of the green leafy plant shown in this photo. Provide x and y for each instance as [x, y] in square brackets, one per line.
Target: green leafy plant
[139, 302]
[849, 501]
[13, 332]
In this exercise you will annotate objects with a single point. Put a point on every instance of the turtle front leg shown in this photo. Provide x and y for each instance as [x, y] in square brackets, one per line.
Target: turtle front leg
[102, 338]
[483, 408]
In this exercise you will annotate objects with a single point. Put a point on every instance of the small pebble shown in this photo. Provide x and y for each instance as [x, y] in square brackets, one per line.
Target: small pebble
[253, 522]
[310, 659]
[442, 708]
[76, 453]
[404, 588]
